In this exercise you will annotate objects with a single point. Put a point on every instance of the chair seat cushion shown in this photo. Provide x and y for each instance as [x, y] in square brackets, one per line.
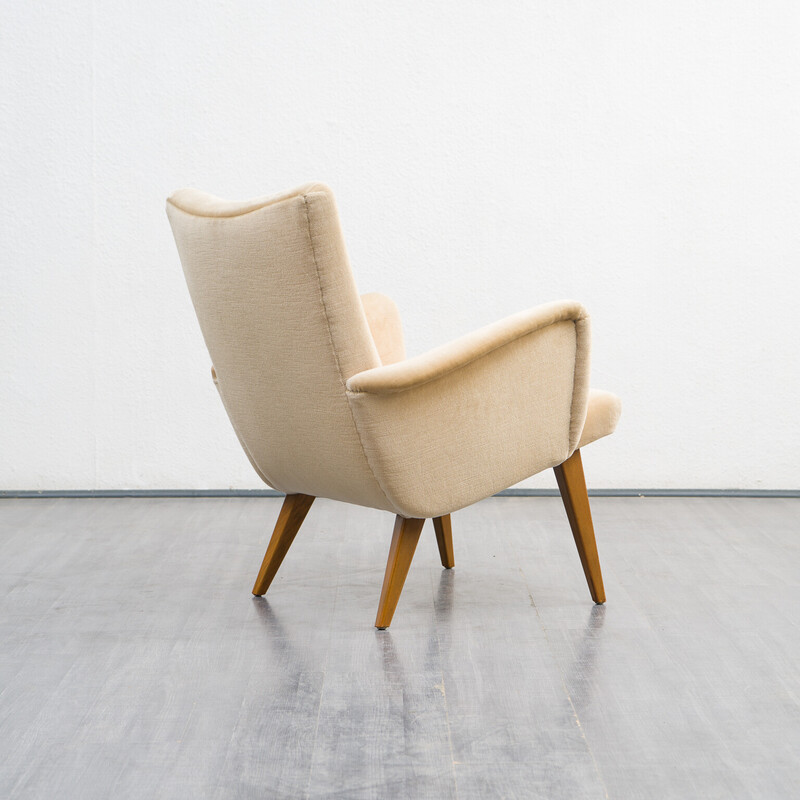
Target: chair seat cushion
[602, 415]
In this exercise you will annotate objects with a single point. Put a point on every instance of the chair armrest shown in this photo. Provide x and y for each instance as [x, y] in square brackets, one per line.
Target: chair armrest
[438, 362]
[465, 420]
[385, 326]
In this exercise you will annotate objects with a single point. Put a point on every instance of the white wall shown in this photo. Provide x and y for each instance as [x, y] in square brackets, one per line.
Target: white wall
[641, 157]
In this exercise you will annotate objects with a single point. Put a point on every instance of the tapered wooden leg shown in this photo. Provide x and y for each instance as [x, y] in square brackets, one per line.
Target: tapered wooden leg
[444, 538]
[293, 512]
[404, 543]
[572, 485]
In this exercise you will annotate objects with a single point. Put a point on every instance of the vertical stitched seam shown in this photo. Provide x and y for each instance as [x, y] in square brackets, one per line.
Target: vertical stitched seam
[577, 434]
[336, 359]
[570, 434]
[572, 404]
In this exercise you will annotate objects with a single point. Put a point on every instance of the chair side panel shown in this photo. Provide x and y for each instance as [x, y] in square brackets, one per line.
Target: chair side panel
[456, 440]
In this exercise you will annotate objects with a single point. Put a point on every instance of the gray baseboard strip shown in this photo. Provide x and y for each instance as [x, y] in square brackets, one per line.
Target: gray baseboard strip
[102, 493]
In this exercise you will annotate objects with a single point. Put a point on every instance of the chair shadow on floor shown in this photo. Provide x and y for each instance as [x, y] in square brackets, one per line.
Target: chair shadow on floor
[579, 676]
[578, 673]
[426, 681]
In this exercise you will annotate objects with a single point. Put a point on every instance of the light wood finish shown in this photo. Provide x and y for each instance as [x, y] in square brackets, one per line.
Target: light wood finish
[572, 485]
[404, 543]
[293, 512]
[444, 538]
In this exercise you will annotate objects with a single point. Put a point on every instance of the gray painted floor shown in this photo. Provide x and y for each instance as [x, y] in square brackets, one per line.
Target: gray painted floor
[135, 663]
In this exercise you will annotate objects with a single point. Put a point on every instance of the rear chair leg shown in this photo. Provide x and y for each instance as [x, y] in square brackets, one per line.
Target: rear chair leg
[572, 485]
[404, 543]
[444, 538]
[293, 512]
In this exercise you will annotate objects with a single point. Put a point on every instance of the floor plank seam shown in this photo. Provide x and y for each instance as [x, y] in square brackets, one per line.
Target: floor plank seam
[566, 690]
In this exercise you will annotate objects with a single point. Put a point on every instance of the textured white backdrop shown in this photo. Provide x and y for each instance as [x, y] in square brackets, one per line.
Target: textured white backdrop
[643, 158]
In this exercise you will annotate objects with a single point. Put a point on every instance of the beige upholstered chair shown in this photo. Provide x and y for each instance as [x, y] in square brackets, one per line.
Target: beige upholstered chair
[325, 403]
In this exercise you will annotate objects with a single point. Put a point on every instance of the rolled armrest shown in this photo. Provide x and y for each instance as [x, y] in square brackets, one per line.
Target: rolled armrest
[477, 415]
[440, 361]
[385, 326]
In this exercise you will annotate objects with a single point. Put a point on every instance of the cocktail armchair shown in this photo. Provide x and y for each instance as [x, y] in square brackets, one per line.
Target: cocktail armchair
[325, 403]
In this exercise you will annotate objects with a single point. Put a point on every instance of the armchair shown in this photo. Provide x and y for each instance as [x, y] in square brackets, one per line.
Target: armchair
[325, 403]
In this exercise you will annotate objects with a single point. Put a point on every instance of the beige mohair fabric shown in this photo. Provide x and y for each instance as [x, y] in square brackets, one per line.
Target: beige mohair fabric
[284, 326]
[385, 326]
[602, 415]
[317, 386]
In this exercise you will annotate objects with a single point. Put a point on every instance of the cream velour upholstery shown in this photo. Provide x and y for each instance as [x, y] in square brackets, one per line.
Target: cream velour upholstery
[317, 385]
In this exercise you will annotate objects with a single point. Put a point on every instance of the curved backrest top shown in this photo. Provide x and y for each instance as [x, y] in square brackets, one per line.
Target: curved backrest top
[271, 283]
[203, 204]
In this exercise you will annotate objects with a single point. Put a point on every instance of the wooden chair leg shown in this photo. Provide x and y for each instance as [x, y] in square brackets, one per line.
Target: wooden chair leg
[444, 538]
[572, 485]
[404, 543]
[293, 512]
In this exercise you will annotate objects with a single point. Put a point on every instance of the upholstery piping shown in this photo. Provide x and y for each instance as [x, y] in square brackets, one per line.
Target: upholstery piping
[336, 358]
[572, 405]
[570, 449]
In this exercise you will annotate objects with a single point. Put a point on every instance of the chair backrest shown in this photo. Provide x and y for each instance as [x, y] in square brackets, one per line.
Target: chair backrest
[274, 294]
